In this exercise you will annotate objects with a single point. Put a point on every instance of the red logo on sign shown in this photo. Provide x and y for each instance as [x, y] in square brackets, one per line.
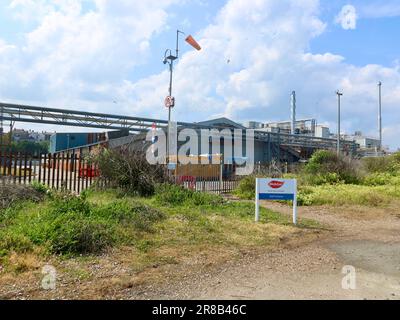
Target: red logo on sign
[276, 184]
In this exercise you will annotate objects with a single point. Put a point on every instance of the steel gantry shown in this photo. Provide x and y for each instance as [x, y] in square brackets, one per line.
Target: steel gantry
[65, 117]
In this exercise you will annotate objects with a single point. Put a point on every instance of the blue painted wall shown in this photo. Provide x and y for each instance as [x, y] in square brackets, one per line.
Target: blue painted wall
[63, 141]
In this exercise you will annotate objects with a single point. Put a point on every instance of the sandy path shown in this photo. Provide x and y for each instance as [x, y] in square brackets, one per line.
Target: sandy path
[367, 239]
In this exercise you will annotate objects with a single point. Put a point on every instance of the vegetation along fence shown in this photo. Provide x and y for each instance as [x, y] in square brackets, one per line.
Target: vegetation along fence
[206, 178]
[75, 172]
[68, 171]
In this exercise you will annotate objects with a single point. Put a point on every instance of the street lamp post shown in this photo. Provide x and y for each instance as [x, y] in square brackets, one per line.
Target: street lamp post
[170, 58]
[380, 116]
[170, 101]
[339, 94]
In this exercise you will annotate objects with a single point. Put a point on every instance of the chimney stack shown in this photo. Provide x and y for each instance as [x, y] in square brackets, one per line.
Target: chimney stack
[293, 113]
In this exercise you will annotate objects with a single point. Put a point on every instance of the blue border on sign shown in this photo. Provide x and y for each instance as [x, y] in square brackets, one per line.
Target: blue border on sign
[277, 197]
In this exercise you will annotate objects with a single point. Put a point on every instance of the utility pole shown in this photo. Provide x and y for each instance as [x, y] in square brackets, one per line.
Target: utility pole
[339, 94]
[170, 101]
[380, 116]
[293, 113]
[170, 58]
[11, 133]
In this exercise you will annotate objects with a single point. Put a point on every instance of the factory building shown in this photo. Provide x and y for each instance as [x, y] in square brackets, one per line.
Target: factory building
[65, 141]
[303, 127]
[364, 142]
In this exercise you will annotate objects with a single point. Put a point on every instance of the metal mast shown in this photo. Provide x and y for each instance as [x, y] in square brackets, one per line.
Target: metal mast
[339, 94]
[380, 116]
[293, 116]
[170, 101]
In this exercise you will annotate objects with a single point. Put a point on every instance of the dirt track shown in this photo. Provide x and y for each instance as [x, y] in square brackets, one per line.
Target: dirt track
[367, 239]
[307, 266]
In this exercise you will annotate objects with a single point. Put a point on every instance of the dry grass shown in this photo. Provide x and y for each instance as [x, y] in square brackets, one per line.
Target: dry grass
[189, 240]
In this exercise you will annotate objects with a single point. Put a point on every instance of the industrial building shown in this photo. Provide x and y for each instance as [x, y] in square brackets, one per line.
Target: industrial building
[65, 141]
[364, 143]
[303, 127]
[273, 140]
[268, 146]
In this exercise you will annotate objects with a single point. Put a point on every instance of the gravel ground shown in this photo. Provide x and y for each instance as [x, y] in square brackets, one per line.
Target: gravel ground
[367, 239]
[306, 267]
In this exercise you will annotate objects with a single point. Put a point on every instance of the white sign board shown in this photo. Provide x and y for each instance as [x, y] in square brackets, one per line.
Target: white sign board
[276, 190]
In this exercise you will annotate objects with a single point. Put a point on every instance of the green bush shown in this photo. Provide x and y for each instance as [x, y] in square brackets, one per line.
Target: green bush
[174, 195]
[377, 179]
[14, 242]
[246, 188]
[381, 179]
[389, 164]
[377, 165]
[340, 195]
[326, 167]
[70, 225]
[320, 179]
[70, 234]
[140, 216]
[130, 171]
[39, 187]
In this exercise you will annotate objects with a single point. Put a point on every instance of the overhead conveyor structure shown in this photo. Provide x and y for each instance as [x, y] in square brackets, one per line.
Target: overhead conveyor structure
[278, 144]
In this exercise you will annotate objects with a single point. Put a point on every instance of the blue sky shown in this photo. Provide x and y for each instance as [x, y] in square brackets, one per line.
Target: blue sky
[86, 54]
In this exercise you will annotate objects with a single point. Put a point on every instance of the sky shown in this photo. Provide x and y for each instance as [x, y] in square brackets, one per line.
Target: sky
[106, 56]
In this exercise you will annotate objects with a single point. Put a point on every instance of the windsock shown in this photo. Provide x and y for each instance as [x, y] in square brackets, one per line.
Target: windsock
[193, 43]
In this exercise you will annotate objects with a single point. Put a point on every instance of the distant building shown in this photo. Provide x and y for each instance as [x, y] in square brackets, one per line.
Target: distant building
[365, 142]
[322, 132]
[19, 135]
[40, 136]
[253, 125]
[223, 123]
[67, 141]
[303, 127]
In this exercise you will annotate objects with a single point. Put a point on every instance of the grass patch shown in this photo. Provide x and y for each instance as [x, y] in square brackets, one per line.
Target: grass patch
[331, 180]
[70, 225]
[341, 194]
[144, 233]
[174, 195]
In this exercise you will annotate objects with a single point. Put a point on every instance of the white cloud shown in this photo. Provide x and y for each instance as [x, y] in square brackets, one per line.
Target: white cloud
[347, 17]
[69, 53]
[254, 54]
[380, 9]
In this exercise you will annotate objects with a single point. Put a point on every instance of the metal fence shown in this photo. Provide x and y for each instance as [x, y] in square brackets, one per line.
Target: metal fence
[62, 171]
[214, 178]
[223, 178]
[74, 172]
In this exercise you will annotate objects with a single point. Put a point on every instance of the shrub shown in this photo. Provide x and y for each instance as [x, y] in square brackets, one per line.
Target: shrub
[40, 187]
[377, 179]
[130, 171]
[340, 195]
[389, 164]
[246, 188]
[10, 194]
[320, 179]
[174, 195]
[70, 225]
[327, 167]
[65, 203]
[375, 165]
[139, 215]
[14, 242]
[76, 235]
